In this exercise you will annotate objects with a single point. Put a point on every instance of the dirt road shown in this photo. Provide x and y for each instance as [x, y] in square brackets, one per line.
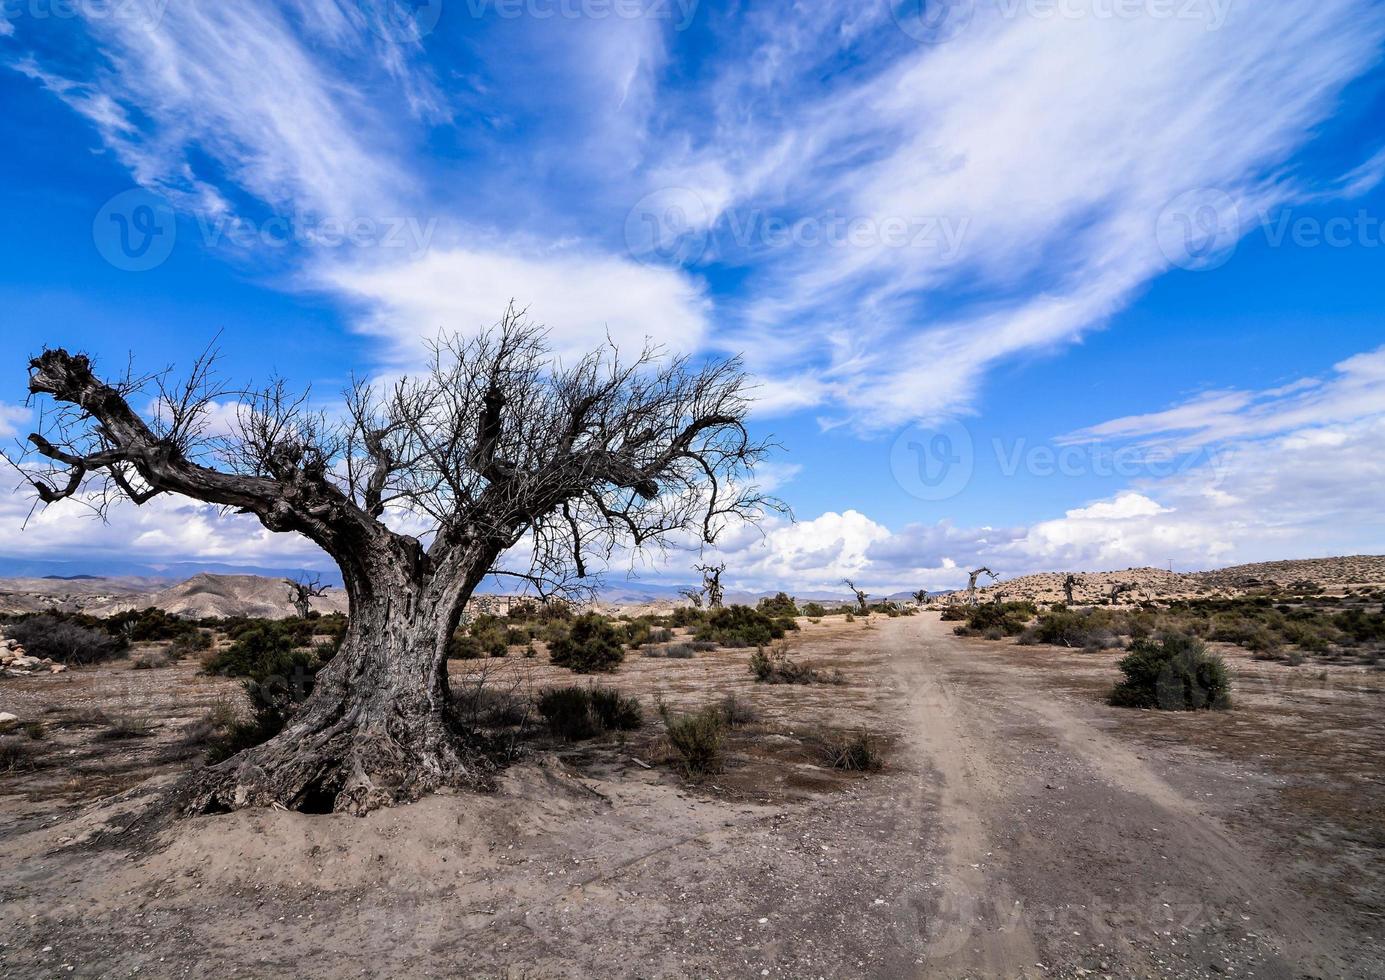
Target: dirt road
[1020, 829]
[1065, 850]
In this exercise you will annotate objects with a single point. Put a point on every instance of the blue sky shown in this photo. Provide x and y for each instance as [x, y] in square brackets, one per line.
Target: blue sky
[1036, 283]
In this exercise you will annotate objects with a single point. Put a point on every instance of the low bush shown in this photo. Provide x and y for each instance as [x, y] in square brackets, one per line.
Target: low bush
[741, 626]
[55, 638]
[955, 614]
[614, 711]
[148, 625]
[859, 751]
[697, 739]
[775, 667]
[119, 727]
[1174, 673]
[997, 619]
[593, 645]
[680, 651]
[278, 679]
[213, 724]
[575, 713]
[189, 644]
[568, 712]
[263, 653]
[152, 660]
[778, 606]
[15, 755]
[737, 711]
[687, 616]
[814, 610]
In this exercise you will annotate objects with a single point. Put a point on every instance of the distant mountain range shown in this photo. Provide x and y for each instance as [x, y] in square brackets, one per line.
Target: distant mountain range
[614, 590]
[104, 568]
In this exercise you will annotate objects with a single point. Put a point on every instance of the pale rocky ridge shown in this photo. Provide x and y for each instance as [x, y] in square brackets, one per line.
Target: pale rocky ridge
[213, 595]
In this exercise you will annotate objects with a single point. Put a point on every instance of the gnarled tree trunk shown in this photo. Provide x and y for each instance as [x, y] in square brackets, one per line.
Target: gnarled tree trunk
[376, 729]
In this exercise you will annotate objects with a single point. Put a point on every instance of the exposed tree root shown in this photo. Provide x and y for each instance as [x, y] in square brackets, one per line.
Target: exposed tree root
[351, 771]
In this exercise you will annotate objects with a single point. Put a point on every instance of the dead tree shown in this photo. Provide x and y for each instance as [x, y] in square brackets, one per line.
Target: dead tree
[304, 589]
[1119, 589]
[971, 582]
[692, 595]
[862, 598]
[495, 448]
[1068, 584]
[711, 584]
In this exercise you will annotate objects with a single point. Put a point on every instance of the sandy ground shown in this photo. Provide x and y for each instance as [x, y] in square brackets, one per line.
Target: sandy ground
[1021, 829]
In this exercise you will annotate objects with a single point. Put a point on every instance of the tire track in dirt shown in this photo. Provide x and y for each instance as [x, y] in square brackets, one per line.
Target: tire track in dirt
[1022, 857]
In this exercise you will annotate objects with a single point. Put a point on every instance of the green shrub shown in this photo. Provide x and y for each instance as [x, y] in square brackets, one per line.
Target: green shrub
[679, 651]
[591, 646]
[778, 606]
[737, 711]
[1089, 628]
[687, 616]
[636, 634]
[955, 614]
[775, 667]
[1008, 618]
[55, 638]
[575, 713]
[262, 653]
[614, 711]
[190, 643]
[697, 739]
[814, 610]
[1174, 673]
[148, 625]
[741, 626]
[568, 712]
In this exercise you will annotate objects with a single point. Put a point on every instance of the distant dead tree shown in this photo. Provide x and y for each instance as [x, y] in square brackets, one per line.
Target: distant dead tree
[1120, 588]
[692, 595]
[304, 589]
[494, 445]
[862, 598]
[711, 584]
[971, 582]
[921, 597]
[1069, 584]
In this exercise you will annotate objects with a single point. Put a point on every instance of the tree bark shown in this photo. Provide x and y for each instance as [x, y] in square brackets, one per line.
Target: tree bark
[376, 729]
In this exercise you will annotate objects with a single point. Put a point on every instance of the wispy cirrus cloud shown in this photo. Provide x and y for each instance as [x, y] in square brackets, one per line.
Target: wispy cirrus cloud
[1055, 142]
